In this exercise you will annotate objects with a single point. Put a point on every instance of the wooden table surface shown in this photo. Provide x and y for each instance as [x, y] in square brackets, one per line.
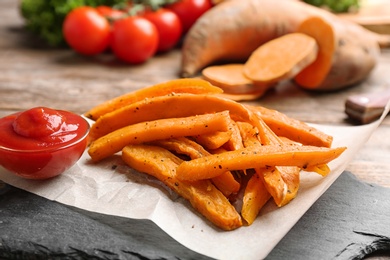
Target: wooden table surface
[31, 74]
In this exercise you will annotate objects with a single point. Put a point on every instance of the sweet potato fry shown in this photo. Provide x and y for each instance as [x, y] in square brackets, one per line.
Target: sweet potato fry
[256, 157]
[194, 142]
[169, 106]
[255, 197]
[322, 170]
[282, 182]
[158, 129]
[183, 146]
[296, 130]
[249, 133]
[225, 182]
[214, 140]
[202, 195]
[235, 142]
[189, 85]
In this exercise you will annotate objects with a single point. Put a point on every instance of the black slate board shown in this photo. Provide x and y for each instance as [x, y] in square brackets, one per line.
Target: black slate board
[350, 221]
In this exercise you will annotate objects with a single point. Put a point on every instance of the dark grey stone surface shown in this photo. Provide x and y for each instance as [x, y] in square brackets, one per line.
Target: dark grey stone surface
[350, 221]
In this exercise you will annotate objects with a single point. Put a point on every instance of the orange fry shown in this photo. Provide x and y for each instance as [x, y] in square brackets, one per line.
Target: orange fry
[202, 195]
[225, 182]
[213, 140]
[169, 106]
[255, 197]
[188, 85]
[296, 130]
[256, 157]
[155, 130]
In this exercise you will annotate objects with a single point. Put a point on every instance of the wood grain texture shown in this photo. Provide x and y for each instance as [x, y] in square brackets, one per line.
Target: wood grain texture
[31, 74]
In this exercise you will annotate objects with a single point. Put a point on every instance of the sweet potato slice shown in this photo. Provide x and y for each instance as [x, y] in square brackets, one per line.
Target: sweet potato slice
[202, 195]
[347, 54]
[158, 129]
[324, 33]
[190, 85]
[231, 78]
[280, 59]
[256, 157]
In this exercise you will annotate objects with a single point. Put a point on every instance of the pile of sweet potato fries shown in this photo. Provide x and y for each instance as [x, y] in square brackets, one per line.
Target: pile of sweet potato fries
[208, 148]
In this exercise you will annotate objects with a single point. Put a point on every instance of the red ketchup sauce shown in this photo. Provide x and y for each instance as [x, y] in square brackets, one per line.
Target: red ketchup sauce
[41, 142]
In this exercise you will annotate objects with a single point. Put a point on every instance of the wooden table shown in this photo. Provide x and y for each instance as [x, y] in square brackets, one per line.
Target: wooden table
[31, 74]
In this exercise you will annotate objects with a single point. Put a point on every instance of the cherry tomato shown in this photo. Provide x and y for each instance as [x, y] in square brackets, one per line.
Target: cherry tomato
[86, 31]
[134, 39]
[109, 12]
[168, 26]
[189, 11]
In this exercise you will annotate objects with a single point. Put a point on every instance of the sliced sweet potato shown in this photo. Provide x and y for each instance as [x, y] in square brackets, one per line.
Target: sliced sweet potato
[231, 78]
[280, 59]
[347, 54]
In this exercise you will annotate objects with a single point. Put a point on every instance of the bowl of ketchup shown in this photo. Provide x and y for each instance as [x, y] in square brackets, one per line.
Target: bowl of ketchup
[41, 142]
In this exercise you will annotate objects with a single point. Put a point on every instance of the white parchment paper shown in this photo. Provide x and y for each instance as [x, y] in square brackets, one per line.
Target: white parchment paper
[110, 187]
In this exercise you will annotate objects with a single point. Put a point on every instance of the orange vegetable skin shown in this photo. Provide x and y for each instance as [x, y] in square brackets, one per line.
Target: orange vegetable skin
[202, 195]
[194, 86]
[280, 59]
[256, 157]
[154, 130]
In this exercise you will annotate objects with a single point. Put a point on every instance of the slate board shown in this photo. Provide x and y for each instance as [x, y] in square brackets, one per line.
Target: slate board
[350, 221]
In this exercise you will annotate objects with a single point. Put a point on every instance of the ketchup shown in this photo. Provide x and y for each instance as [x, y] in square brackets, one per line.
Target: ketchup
[43, 140]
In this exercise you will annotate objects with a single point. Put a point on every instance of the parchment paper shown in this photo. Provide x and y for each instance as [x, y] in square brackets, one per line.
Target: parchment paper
[110, 187]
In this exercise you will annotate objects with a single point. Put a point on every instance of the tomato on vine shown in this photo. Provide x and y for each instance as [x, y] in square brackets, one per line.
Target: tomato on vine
[86, 31]
[189, 11]
[168, 26]
[134, 39]
[109, 12]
